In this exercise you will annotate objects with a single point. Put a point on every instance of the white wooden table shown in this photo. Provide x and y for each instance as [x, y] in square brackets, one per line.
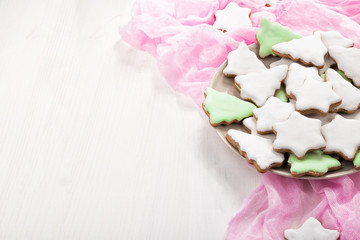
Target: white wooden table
[93, 142]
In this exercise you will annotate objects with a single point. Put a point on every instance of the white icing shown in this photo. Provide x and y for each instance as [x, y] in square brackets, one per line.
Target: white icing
[232, 17]
[311, 229]
[332, 38]
[261, 85]
[309, 49]
[342, 136]
[315, 95]
[297, 75]
[347, 60]
[250, 124]
[350, 95]
[242, 61]
[328, 63]
[299, 134]
[257, 148]
[273, 111]
[282, 61]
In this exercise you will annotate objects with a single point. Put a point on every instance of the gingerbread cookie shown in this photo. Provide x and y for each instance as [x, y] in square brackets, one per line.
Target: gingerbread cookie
[347, 61]
[224, 109]
[261, 85]
[298, 135]
[242, 61]
[273, 111]
[308, 50]
[315, 97]
[257, 150]
[342, 137]
[350, 95]
[232, 17]
[297, 75]
[314, 164]
[311, 229]
[332, 38]
[281, 94]
[271, 34]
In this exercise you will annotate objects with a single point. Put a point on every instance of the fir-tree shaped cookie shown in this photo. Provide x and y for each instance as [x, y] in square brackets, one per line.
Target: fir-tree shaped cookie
[271, 34]
[315, 164]
[224, 109]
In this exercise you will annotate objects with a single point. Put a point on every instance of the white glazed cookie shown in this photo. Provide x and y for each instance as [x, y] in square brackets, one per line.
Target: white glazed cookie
[315, 97]
[342, 137]
[257, 150]
[282, 61]
[328, 63]
[347, 60]
[297, 75]
[232, 17]
[332, 38]
[350, 95]
[242, 61]
[273, 111]
[261, 85]
[298, 135]
[311, 229]
[309, 50]
[250, 126]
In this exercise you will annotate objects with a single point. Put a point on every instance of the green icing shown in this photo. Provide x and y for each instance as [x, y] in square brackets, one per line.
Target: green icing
[281, 94]
[224, 107]
[343, 75]
[313, 161]
[357, 160]
[322, 75]
[271, 34]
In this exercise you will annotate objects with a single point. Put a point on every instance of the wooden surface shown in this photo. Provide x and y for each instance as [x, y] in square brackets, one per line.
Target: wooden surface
[94, 143]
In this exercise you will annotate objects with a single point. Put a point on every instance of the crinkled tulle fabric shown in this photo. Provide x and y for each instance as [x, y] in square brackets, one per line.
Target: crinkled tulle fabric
[179, 34]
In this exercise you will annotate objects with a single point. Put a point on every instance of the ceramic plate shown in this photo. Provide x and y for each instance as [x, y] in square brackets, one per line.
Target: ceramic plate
[225, 84]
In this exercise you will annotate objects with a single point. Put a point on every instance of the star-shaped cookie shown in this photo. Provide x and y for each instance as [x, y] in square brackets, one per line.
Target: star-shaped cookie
[256, 149]
[350, 95]
[242, 61]
[297, 75]
[315, 164]
[347, 60]
[298, 135]
[261, 85]
[273, 111]
[232, 17]
[311, 229]
[315, 97]
[309, 50]
[342, 137]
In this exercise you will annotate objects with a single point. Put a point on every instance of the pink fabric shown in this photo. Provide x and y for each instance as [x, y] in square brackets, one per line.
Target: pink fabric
[179, 34]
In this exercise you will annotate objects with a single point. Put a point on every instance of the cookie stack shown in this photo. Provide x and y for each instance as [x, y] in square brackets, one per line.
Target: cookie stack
[301, 109]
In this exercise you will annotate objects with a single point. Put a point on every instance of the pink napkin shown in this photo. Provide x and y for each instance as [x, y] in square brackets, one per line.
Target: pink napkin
[179, 34]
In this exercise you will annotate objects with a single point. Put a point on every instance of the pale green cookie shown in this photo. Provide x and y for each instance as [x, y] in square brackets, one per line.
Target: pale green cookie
[223, 108]
[315, 163]
[357, 161]
[271, 34]
[281, 94]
